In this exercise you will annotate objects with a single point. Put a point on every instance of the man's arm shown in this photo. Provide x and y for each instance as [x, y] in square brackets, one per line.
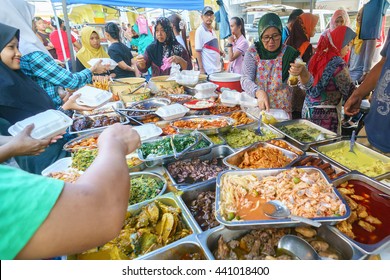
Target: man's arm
[91, 211]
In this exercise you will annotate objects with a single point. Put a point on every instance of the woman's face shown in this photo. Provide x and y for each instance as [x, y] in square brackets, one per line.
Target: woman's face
[94, 40]
[359, 16]
[41, 25]
[160, 33]
[345, 49]
[339, 21]
[10, 55]
[271, 39]
[234, 27]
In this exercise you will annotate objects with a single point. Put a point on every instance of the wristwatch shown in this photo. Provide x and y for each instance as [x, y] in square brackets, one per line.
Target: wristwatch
[229, 45]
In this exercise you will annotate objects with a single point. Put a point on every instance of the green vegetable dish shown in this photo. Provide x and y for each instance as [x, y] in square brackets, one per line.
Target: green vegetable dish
[82, 159]
[238, 138]
[301, 132]
[163, 146]
[144, 187]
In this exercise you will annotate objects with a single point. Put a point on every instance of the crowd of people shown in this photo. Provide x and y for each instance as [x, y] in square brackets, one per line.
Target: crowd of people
[33, 76]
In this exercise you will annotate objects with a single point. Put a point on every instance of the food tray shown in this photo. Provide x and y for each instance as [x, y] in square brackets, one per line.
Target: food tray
[199, 104]
[152, 175]
[136, 168]
[60, 165]
[306, 145]
[232, 161]
[67, 146]
[248, 125]
[171, 200]
[148, 131]
[366, 248]
[219, 152]
[151, 104]
[335, 168]
[92, 97]
[283, 222]
[294, 149]
[178, 250]
[208, 131]
[253, 127]
[365, 150]
[209, 241]
[191, 193]
[46, 124]
[179, 98]
[123, 120]
[159, 160]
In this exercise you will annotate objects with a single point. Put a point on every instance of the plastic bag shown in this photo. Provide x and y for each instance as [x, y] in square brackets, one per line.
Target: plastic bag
[175, 71]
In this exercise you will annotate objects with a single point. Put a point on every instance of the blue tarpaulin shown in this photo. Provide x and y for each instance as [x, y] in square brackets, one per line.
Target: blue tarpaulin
[162, 4]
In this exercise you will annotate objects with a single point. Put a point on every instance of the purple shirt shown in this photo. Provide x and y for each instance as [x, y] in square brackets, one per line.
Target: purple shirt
[242, 46]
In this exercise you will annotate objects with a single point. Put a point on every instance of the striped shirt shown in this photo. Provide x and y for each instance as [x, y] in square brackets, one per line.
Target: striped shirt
[49, 76]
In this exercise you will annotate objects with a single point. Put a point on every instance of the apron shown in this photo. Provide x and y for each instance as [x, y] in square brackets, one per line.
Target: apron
[269, 78]
[309, 116]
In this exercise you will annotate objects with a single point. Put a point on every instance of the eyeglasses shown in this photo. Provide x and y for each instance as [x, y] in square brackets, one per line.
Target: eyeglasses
[274, 37]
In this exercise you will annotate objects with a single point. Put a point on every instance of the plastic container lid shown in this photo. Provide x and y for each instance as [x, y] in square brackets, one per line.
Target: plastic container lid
[148, 131]
[171, 112]
[105, 61]
[92, 97]
[47, 124]
[225, 77]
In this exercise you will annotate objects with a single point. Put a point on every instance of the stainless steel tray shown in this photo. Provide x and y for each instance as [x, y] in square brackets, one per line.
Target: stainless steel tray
[233, 160]
[365, 248]
[151, 102]
[375, 155]
[78, 140]
[253, 127]
[336, 168]
[123, 120]
[152, 175]
[207, 131]
[294, 149]
[306, 145]
[253, 122]
[285, 222]
[159, 160]
[219, 152]
[190, 194]
[209, 241]
[177, 250]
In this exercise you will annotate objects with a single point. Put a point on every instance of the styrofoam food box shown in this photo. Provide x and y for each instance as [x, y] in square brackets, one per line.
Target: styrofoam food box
[230, 98]
[247, 100]
[105, 61]
[60, 165]
[93, 97]
[188, 77]
[148, 131]
[206, 87]
[171, 112]
[47, 124]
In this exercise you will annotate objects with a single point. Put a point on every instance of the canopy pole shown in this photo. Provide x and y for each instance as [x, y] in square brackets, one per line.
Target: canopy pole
[59, 34]
[68, 33]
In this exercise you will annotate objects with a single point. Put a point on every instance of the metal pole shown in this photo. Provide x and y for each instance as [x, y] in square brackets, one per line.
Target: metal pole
[68, 33]
[60, 35]
[311, 6]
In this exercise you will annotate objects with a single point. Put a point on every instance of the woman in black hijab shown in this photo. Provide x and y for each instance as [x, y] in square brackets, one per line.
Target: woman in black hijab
[164, 51]
[21, 97]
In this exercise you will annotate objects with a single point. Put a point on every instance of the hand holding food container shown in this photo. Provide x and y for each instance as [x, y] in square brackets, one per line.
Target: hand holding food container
[295, 71]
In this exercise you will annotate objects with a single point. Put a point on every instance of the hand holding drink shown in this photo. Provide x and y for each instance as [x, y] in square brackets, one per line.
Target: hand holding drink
[295, 71]
[141, 61]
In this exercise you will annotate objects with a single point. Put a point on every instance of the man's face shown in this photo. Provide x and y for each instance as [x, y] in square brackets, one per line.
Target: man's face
[208, 18]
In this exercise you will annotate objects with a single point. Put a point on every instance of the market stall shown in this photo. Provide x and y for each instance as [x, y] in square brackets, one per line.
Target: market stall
[215, 174]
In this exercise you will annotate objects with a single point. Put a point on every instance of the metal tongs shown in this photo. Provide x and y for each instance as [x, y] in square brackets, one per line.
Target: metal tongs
[126, 116]
[178, 155]
[144, 84]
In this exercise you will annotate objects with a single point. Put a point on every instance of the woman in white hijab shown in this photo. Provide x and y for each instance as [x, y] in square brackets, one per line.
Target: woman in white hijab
[36, 61]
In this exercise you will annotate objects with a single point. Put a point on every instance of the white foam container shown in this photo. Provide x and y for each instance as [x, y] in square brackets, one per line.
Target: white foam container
[58, 166]
[105, 61]
[171, 112]
[188, 77]
[92, 97]
[230, 98]
[247, 100]
[148, 131]
[47, 124]
[206, 87]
